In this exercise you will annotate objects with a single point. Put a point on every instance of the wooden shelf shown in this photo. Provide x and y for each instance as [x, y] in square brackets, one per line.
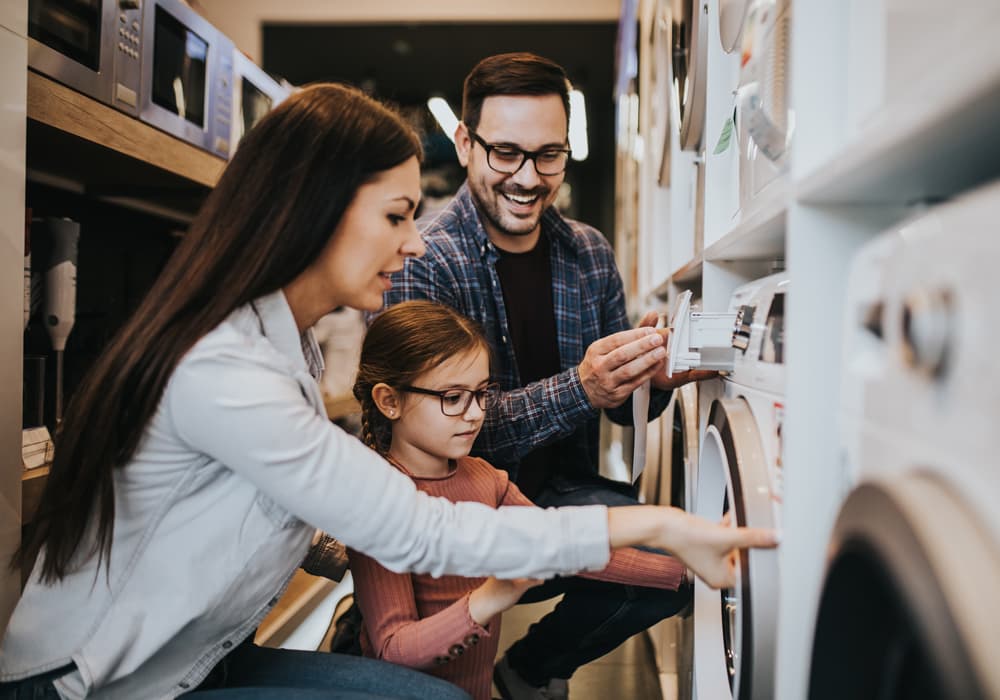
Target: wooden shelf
[689, 271]
[303, 594]
[341, 406]
[75, 139]
[32, 485]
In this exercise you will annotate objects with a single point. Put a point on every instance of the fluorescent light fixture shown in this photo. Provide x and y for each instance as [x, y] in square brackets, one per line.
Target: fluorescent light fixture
[578, 125]
[445, 117]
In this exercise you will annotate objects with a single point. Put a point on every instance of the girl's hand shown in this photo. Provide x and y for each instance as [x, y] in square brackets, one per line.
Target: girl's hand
[496, 595]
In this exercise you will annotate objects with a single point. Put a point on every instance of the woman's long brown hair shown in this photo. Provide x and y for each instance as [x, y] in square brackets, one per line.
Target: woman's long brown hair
[267, 219]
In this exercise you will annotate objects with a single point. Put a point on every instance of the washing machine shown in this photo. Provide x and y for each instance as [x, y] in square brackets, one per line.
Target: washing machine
[765, 119]
[690, 67]
[675, 469]
[908, 607]
[739, 472]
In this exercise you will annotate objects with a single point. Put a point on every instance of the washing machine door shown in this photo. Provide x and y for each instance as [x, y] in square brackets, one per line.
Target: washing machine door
[735, 628]
[678, 473]
[689, 38]
[909, 607]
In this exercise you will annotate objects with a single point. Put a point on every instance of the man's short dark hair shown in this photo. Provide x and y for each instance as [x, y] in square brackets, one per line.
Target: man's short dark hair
[511, 74]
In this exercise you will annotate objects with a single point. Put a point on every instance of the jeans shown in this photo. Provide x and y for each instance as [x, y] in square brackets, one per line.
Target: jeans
[594, 617]
[259, 673]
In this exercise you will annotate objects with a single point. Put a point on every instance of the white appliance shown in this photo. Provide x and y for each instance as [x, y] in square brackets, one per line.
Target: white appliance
[766, 121]
[671, 467]
[690, 67]
[739, 472]
[908, 608]
[255, 93]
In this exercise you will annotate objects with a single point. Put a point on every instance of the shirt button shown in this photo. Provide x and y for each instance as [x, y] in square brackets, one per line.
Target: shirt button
[456, 650]
[184, 685]
[503, 338]
[226, 644]
[441, 660]
[472, 640]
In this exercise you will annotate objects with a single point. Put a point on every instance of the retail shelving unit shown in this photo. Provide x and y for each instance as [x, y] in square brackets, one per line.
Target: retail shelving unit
[56, 136]
[13, 62]
[895, 108]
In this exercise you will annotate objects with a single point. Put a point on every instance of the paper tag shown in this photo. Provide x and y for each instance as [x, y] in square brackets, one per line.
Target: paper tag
[640, 420]
[726, 137]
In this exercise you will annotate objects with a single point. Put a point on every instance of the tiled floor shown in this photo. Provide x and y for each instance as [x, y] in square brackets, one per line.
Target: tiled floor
[627, 673]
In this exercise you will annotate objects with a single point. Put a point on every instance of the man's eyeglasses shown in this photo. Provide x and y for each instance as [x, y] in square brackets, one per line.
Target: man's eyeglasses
[455, 402]
[509, 159]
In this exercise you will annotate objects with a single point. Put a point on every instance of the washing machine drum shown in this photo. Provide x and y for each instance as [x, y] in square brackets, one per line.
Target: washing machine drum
[909, 608]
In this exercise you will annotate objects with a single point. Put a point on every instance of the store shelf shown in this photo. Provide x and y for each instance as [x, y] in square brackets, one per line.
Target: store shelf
[689, 271]
[761, 234]
[75, 139]
[341, 406]
[301, 597]
[940, 141]
[32, 484]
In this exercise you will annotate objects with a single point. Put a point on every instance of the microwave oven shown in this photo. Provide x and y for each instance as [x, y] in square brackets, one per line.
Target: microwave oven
[255, 93]
[187, 76]
[92, 46]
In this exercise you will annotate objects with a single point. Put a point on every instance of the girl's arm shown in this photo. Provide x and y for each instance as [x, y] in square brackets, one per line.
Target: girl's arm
[397, 634]
[627, 565]
[707, 548]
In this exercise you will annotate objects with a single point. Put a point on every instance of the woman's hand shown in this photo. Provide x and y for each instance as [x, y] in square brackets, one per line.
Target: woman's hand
[711, 549]
[496, 595]
[708, 549]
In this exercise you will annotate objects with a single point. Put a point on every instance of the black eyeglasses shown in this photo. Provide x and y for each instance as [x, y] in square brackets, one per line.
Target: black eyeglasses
[455, 402]
[509, 159]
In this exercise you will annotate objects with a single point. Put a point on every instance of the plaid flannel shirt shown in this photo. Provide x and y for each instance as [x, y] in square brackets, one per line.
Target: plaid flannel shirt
[459, 269]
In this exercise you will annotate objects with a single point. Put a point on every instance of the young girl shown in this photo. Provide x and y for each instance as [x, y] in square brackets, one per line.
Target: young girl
[424, 389]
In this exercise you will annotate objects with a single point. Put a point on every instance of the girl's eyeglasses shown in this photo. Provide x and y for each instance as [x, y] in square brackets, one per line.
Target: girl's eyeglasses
[455, 402]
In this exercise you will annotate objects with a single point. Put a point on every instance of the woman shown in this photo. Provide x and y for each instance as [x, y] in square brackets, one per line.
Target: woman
[196, 460]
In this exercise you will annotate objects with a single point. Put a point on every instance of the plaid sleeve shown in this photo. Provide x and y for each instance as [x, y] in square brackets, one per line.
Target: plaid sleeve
[532, 416]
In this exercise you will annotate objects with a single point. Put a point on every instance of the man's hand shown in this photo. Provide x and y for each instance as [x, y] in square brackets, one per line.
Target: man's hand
[615, 365]
[660, 380]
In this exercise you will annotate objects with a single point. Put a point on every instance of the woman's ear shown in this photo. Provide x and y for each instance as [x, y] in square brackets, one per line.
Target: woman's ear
[387, 400]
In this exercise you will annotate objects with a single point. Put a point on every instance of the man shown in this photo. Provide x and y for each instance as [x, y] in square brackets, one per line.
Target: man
[549, 296]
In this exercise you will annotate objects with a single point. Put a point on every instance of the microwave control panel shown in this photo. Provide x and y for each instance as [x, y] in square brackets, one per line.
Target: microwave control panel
[128, 56]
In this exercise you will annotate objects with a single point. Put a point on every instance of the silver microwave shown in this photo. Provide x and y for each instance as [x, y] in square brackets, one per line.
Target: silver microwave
[187, 76]
[93, 46]
[255, 93]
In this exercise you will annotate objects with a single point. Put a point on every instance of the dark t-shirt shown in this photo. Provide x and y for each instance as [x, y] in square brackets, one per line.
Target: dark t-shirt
[526, 281]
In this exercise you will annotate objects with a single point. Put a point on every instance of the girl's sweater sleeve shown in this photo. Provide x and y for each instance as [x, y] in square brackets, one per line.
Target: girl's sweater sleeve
[396, 633]
[628, 565]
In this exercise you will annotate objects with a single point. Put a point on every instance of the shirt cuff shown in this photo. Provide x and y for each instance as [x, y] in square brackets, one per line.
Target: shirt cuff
[326, 558]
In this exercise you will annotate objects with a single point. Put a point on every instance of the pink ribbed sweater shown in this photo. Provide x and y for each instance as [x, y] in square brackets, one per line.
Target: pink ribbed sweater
[424, 622]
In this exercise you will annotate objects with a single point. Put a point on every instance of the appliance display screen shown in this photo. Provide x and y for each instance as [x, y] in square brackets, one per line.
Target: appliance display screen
[73, 28]
[180, 69]
[255, 104]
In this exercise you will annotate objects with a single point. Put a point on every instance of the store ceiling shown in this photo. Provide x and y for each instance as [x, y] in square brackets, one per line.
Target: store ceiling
[408, 63]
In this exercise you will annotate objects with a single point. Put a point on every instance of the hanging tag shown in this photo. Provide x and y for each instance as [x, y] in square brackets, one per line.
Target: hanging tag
[726, 137]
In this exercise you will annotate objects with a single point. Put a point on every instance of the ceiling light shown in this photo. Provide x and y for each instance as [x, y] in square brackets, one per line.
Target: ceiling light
[446, 118]
[578, 126]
